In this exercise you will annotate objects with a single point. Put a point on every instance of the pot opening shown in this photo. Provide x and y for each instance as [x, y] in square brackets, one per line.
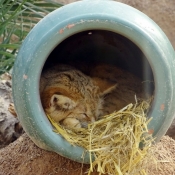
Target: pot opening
[118, 60]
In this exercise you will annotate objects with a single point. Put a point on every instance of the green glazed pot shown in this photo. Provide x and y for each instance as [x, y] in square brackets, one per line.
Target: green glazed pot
[71, 21]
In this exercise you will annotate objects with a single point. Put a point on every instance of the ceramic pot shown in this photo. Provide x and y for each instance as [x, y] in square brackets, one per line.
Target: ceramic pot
[97, 30]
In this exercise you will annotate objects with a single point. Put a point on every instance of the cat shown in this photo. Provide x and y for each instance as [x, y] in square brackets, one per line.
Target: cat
[72, 98]
[75, 99]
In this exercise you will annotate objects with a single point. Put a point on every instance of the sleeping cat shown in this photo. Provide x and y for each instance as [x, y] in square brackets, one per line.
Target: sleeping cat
[71, 97]
[75, 99]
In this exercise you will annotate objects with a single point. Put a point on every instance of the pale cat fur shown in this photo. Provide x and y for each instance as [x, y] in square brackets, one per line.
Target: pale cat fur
[71, 97]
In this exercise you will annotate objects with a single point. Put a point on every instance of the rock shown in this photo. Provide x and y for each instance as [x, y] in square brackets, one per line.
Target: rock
[10, 128]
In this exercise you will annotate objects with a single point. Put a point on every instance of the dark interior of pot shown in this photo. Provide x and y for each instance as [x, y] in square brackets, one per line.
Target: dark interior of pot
[93, 47]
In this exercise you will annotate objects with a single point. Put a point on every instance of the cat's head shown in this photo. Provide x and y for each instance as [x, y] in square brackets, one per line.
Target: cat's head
[78, 108]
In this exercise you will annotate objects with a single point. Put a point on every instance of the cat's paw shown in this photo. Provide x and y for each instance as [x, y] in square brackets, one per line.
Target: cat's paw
[71, 123]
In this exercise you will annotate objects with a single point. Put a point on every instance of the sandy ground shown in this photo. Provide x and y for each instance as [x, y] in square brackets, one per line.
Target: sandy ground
[23, 157]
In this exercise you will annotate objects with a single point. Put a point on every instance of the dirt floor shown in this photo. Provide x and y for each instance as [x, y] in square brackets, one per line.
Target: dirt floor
[23, 157]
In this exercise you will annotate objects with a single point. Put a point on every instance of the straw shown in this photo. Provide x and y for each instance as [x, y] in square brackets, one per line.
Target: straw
[114, 140]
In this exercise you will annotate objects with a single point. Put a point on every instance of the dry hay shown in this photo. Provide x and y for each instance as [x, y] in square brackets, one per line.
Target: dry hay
[115, 141]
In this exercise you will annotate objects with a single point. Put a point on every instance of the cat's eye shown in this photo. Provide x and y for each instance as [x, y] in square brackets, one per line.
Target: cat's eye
[55, 99]
[66, 104]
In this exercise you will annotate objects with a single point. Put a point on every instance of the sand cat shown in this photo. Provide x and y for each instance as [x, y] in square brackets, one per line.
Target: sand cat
[71, 97]
[75, 99]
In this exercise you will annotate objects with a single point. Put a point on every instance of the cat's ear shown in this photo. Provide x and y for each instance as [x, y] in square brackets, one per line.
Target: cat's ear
[105, 86]
[62, 102]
